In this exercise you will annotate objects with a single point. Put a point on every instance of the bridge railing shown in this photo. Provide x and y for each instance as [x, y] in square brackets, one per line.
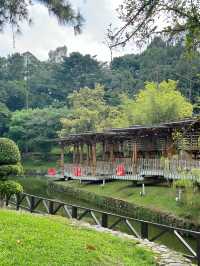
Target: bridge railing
[171, 169]
[35, 204]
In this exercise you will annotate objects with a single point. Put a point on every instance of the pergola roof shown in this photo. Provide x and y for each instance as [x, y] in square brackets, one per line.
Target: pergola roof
[163, 130]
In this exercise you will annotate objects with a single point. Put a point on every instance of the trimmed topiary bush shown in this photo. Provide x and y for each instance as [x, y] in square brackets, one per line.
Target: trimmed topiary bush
[9, 165]
[9, 152]
[9, 159]
[10, 187]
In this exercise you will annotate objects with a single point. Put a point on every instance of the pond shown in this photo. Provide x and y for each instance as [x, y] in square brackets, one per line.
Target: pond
[39, 186]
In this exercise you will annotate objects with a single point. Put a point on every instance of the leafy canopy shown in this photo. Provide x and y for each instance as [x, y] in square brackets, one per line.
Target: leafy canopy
[31, 128]
[157, 103]
[143, 19]
[88, 112]
[154, 104]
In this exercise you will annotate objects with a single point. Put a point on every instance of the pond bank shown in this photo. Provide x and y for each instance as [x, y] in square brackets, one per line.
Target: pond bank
[43, 187]
[164, 256]
[122, 207]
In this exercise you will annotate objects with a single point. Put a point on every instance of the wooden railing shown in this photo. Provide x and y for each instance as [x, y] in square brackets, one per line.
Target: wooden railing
[169, 169]
[37, 204]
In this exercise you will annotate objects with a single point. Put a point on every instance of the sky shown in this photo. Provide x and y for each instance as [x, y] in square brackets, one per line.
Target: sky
[46, 34]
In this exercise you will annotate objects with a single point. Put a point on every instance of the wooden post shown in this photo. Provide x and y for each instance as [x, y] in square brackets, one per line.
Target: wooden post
[134, 158]
[121, 146]
[51, 207]
[144, 230]
[104, 220]
[74, 154]
[81, 154]
[94, 159]
[62, 160]
[17, 201]
[78, 154]
[74, 212]
[198, 250]
[32, 203]
[103, 151]
[111, 152]
[89, 154]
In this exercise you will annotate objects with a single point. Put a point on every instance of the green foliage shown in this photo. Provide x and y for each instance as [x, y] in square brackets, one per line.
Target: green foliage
[78, 71]
[158, 103]
[48, 84]
[9, 165]
[33, 127]
[13, 169]
[9, 161]
[9, 188]
[4, 118]
[89, 112]
[140, 19]
[9, 152]
[154, 104]
[84, 246]
[187, 187]
[183, 183]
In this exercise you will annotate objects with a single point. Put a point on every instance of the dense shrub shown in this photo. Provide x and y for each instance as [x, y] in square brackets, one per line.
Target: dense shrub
[9, 188]
[9, 152]
[6, 170]
[9, 165]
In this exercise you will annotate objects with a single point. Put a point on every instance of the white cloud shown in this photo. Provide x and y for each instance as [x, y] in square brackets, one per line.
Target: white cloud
[46, 34]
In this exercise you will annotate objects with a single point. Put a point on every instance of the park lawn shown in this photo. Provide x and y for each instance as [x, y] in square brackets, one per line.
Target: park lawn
[27, 239]
[157, 197]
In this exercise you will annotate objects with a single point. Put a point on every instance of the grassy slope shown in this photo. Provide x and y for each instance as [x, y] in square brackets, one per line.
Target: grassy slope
[162, 198]
[27, 239]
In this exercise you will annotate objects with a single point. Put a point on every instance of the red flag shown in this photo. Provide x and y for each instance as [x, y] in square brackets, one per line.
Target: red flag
[120, 170]
[52, 171]
[77, 171]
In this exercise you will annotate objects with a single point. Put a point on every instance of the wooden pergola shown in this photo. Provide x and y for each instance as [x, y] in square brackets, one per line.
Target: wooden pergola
[142, 141]
[94, 150]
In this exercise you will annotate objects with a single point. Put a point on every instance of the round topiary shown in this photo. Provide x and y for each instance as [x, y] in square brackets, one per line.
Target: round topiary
[9, 152]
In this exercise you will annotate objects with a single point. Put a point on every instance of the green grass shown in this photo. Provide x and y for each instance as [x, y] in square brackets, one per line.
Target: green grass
[157, 197]
[27, 240]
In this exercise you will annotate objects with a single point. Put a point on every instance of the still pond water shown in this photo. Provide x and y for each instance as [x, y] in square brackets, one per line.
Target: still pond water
[39, 186]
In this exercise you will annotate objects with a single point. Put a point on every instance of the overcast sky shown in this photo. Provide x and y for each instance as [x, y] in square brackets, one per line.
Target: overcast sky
[46, 34]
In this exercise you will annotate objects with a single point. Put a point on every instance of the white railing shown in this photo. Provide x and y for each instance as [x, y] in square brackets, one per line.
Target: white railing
[126, 169]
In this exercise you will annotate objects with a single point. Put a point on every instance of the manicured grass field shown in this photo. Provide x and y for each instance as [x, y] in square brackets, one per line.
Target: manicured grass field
[157, 197]
[27, 240]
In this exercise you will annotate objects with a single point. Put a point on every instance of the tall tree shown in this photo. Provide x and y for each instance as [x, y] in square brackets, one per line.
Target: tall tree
[89, 112]
[78, 71]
